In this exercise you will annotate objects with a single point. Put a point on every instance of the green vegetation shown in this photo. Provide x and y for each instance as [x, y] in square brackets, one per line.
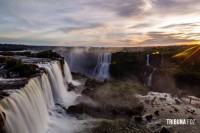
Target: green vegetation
[21, 69]
[44, 54]
[17, 66]
[116, 96]
[10, 53]
[126, 63]
[187, 75]
[13, 47]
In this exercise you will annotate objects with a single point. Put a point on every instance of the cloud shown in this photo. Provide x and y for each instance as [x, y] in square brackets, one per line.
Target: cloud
[165, 38]
[182, 25]
[86, 27]
[176, 7]
[117, 22]
[125, 8]
[141, 25]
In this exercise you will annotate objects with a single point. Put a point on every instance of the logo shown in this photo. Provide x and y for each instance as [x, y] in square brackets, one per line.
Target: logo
[181, 121]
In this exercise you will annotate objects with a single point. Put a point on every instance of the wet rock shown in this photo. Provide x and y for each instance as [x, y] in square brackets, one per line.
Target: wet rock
[84, 108]
[147, 101]
[162, 99]
[190, 117]
[79, 109]
[178, 102]
[71, 87]
[190, 111]
[149, 117]
[158, 124]
[175, 109]
[156, 113]
[138, 118]
[164, 130]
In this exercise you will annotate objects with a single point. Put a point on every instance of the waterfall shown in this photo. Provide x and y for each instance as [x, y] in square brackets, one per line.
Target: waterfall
[26, 109]
[147, 61]
[67, 72]
[59, 83]
[149, 78]
[2, 67]
[102, 68]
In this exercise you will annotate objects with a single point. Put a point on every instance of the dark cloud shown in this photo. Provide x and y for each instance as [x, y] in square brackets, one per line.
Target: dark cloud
[125, 8]
[165, 38]
[176, 7]
[79, 28]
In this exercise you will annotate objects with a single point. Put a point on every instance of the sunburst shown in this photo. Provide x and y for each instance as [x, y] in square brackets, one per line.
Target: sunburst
[191, 55]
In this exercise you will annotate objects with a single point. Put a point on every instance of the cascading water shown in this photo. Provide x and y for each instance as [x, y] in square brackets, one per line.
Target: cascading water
[26, 109]
[102, 68]
[68, 75]
[147, 61]
[59, 83]
[149, 78]
[1, 67]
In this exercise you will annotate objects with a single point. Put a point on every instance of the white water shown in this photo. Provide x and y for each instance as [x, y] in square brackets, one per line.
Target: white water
[103, 63]
[27, 109]
[68, 75]
[2, 67]
[59, 83]
[59, 122]
[149, 78]
[147, 61]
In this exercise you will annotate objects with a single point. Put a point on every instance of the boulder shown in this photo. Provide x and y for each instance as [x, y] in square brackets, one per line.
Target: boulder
[156, 113]
[178, 102]
[71, 87]
[175, 109]
[79, 109]
[164, 130]
[149, 117]
[138, 118]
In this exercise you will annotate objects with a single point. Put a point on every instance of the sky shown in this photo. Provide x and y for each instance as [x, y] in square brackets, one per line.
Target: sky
[100, 23]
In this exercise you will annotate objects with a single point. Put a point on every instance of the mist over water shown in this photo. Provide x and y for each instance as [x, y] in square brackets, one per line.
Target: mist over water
[60, 122]
[89, 62]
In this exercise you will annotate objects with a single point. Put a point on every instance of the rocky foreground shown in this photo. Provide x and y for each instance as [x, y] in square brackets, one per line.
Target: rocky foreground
[126, 107]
